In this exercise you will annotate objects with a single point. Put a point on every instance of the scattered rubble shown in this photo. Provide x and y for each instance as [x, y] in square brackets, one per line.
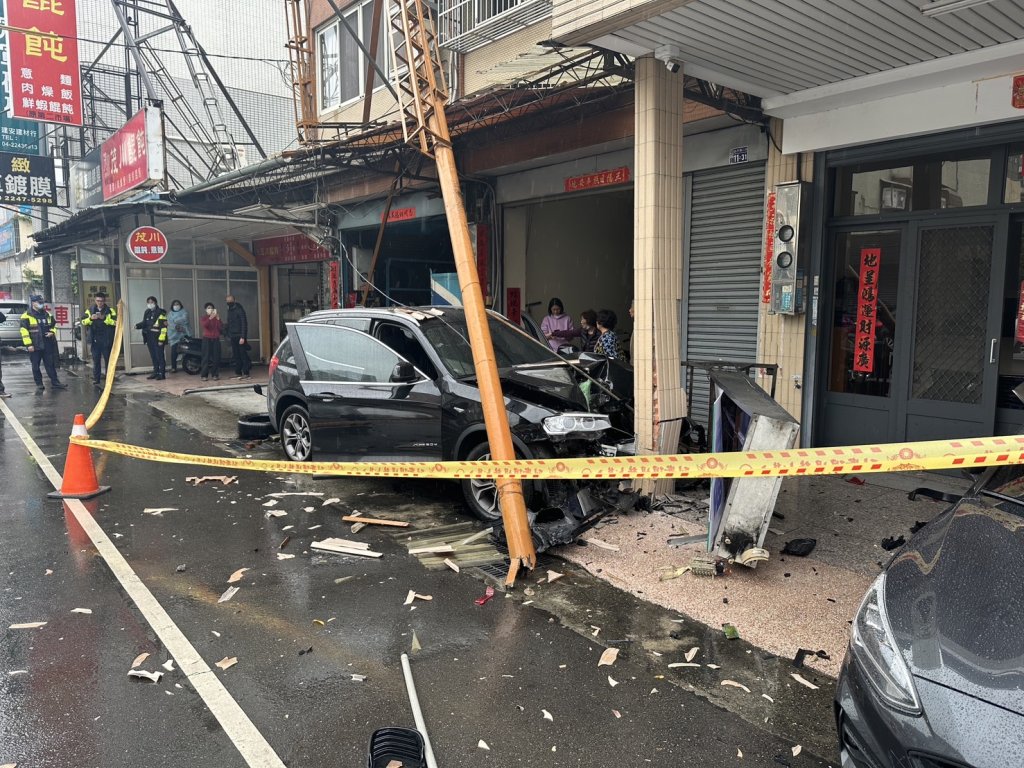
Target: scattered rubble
[608, 657]
[374, 521]
[28, 625]
[228, 594]
[158, 510]
[345, 547]
[236, 576]
[227, 662]
[153, 677]
[222, 479]
[799, 547]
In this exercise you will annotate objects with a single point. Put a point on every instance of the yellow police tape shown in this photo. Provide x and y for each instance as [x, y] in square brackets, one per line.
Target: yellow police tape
[895, 457]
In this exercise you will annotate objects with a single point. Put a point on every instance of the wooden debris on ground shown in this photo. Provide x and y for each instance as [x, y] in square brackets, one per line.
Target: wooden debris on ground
[282, 494]
[227, 662]
[158, 510]
[222, 479]
[608, 657]
[29, 625]
[460, 544]
[139, 659]
[345, 547]
[228, 594]
[601, 544]
[374, 521]
[414, 595]
[153, 677]
[236, 576]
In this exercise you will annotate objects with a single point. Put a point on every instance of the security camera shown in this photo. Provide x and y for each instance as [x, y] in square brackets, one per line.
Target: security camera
[671, 56]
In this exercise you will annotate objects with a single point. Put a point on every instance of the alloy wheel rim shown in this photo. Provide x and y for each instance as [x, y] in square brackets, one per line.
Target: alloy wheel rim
[485, 492]
[296, 437]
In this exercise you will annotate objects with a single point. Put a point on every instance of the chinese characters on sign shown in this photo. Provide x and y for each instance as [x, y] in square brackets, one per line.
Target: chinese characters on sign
[769, 249]
[401, 214]
[132, 157]
[600, 179]
[27, 179]
[335, 280]
[45, 79]
[867, 306]
[1017, 97]
[287, 250]
[147, 244]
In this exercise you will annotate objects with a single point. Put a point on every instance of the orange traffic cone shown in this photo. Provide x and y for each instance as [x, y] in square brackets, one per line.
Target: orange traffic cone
[79, 474]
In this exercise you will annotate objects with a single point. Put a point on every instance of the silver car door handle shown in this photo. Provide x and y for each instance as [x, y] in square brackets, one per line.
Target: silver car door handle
[326, 397]
[992, 351]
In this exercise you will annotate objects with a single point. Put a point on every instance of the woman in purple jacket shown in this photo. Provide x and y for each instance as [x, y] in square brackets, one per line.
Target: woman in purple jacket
[557, 326]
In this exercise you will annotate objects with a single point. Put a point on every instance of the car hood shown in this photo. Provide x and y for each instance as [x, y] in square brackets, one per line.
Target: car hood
[541, 387]
[955, 599]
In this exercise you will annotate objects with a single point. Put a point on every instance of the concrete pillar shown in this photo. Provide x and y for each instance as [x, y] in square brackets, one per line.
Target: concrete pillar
[658, 260]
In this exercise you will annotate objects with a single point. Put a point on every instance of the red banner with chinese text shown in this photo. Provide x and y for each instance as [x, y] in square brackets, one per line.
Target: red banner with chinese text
[769, 249]
[335, 284]
[124, 158]
[288, 249]
[607, 178]
[867, 309]
[45, 81]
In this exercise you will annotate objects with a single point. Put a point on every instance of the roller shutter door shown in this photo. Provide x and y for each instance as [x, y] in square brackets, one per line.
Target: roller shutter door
[726, 214]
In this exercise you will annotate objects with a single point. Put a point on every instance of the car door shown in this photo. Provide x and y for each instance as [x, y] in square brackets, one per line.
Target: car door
[357, 410]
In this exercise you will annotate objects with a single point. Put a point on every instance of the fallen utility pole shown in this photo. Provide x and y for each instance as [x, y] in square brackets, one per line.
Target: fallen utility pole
[422, 98]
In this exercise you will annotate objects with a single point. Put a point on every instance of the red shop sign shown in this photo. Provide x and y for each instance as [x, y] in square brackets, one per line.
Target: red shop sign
[401, 214]
[867, 309]
[45, 80]
[288, 249]
[607, 178]
[769, 249]
[147, 244]
[125, 158]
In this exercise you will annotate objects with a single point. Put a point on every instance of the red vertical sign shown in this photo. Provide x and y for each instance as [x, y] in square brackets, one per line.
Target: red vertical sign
[769, 249]
[867, 306]
[514, 305]
[335, 278]
[45, 80]
[1019, 334]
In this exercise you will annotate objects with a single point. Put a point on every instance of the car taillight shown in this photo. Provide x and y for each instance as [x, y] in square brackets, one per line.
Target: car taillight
[274, 362]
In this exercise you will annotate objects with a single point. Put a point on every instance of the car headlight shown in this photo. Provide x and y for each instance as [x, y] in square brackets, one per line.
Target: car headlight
[873, 645]
[567, 423]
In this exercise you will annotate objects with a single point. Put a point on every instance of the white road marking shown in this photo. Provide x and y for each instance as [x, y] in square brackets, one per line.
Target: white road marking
[251, 744]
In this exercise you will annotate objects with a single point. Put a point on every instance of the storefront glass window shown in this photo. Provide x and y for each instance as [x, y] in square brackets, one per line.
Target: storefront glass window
[919, 185]
[864, 312]
[210, 255]
[1013, 192]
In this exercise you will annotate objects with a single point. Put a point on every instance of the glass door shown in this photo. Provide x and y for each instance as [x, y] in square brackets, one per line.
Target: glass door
[952, 366]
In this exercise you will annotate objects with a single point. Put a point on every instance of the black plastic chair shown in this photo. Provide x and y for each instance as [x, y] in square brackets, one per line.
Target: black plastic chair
[402, 744]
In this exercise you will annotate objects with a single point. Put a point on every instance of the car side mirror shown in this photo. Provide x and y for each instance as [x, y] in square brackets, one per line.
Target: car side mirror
[257, 388]
[403, 373]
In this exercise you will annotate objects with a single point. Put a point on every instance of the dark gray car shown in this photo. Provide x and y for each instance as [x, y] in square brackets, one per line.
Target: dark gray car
[399, 384]
[934, 677]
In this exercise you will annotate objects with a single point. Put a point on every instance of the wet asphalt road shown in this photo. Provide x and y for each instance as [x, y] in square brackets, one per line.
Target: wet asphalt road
[484, 673]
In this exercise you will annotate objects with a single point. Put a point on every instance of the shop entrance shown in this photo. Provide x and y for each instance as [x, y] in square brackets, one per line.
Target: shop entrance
[916, 329]
[297, 288]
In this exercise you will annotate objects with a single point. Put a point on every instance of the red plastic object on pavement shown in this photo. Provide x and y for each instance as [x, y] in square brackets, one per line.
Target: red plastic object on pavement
[488, 594]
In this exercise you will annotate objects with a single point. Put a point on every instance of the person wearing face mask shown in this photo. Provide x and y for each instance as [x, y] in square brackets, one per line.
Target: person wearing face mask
[154, 333]
[36, 330]
[212, 327]
[178, 329]
[238, 330]
[100, 320]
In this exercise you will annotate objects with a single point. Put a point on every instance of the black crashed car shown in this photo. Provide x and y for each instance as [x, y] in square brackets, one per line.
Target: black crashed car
[398, 384]
[934, 675]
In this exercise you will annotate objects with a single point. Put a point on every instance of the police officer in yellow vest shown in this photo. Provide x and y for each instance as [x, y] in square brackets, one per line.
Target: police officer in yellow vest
[36, 330]
[154, 333]
[100, 320]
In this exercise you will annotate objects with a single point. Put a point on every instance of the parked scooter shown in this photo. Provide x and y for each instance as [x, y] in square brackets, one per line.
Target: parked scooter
[191, 351]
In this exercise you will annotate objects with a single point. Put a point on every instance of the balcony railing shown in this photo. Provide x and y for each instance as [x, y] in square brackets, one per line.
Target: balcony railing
[464, 25]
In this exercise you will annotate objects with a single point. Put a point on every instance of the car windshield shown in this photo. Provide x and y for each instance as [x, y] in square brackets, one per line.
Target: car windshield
[450, 340]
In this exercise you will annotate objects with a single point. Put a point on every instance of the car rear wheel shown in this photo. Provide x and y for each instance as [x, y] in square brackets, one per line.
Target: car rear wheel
[482, 495]
[296, 434]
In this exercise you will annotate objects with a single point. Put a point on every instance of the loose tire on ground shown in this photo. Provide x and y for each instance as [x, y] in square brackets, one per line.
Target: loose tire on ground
[254, 426]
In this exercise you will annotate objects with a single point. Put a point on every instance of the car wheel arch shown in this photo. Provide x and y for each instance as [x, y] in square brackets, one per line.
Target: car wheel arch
[284, 402]
[476, 435]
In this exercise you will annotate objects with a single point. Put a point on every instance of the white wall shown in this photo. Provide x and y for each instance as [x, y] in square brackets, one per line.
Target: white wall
[957, 105]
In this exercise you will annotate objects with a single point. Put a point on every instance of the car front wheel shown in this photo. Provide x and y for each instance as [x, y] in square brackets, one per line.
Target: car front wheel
[482, 495]
[296, 434]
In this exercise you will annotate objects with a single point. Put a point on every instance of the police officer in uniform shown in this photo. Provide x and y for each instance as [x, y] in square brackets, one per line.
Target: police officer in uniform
[3, 392]
[154, 333]
[35, 332]
[100, 320]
